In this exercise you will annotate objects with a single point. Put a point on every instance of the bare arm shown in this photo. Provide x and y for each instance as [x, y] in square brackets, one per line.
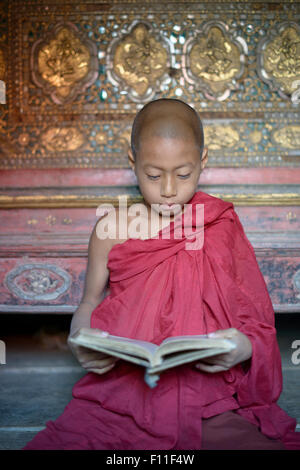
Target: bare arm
[94, 289]
[95, 281]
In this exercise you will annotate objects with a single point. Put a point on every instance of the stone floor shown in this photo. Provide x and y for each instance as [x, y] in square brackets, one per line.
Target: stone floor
[37, 379]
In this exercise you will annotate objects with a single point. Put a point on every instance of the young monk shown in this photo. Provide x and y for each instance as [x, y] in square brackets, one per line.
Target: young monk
[158, 289]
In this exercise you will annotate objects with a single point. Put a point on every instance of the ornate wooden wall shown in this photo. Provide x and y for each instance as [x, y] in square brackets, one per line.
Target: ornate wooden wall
[76, 73]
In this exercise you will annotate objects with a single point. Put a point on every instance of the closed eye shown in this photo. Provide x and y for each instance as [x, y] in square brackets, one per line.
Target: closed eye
[184, 176]
[152, 177]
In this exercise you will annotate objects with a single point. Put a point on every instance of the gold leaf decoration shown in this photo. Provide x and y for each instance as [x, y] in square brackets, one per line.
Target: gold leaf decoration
[288, 137]
[125, 138]
[219, 137]
[279, 58]
[138, 61]
[64, 63]
[23, 139]
[6, 147]
[255, 137]
[101, 138]
[57, 139]
[213, 60]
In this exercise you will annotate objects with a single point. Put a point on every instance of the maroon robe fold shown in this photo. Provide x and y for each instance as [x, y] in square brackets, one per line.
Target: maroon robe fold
[158, 288]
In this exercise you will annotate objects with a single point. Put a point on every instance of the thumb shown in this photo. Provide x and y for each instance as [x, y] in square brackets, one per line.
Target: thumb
[217, 334]
[229, 333]
[220, 334]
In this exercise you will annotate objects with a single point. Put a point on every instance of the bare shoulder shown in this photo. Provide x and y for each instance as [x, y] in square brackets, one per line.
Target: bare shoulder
[97, 273]
[110, 229]
[114, 228]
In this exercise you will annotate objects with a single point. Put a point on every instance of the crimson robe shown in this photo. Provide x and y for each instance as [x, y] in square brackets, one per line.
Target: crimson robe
[158, 289]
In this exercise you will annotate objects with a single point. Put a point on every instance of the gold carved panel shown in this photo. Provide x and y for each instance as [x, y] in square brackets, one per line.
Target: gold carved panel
[279, 58]
[64, 139]
[64, 63]
[139, 61]
[213, 60]
[288, 137]
[219, 137]
[77, 72]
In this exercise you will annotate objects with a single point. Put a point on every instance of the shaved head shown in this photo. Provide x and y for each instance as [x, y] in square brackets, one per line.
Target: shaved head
[167, 118]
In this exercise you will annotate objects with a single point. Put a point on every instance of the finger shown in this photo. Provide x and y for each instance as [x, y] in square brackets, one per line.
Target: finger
[100, 364]
[222, 364]
[212, 369]
[228, 333]
[217, 334]
[215, 359]
[214, 333]
[93, 356]
[101, 370]
[231, 333]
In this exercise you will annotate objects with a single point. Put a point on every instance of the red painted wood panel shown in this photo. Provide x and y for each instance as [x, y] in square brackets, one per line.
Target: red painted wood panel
[43, 255]
[114, 177]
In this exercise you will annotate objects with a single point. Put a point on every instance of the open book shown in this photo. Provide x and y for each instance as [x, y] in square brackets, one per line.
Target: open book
[172, 352]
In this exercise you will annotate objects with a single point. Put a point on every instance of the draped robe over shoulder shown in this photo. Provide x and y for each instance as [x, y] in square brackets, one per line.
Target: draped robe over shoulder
[158, 289]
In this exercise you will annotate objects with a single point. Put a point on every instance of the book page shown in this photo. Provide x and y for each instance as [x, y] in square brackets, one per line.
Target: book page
[93, 338]
[116, 353]
[184, 358]
[189, 342]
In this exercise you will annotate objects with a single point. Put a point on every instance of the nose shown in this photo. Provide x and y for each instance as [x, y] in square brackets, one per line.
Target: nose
[168, 186]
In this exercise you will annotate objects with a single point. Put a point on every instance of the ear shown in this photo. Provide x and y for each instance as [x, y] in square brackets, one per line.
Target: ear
[204, 158]
[131, 159]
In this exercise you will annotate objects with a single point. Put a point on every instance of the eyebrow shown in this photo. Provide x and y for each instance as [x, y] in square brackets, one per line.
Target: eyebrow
[158, 168]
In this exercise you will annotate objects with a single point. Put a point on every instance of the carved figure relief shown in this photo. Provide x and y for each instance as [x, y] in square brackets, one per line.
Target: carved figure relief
[220, 137]
[279, 58]
[139, 61]
[80, 72]
[64, 63]
[213, 60]
[288, 137]
[61, 139]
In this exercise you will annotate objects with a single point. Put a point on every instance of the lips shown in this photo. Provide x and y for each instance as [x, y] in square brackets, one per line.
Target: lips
[168, 206]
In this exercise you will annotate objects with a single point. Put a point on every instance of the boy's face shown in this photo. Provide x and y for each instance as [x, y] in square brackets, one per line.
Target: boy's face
[167, 171]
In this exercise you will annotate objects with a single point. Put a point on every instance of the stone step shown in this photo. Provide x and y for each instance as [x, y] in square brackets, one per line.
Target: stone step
[37, 380]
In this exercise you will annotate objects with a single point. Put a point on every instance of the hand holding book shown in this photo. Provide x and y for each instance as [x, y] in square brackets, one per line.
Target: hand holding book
[221, 362]
[91, 360]
[172, 352]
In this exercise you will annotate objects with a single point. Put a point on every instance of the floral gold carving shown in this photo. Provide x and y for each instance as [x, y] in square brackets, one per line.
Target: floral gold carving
[139, 61]
[50, 220]
[279, 58]
[32, 222]
[64, 63]
[23, 139]
[101, 138]
[219, 137]
[291, 216]
[61, 139]
[288, 137]
[213, 60]
[124, 138]
[255, 137]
